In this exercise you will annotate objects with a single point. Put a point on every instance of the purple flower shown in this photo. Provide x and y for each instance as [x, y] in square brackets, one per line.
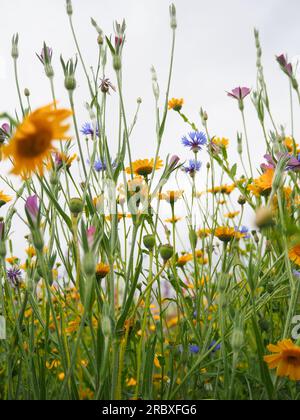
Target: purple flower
[4, 132]
[6, 128]
[174, 161]
[32, 208]
[270, 163]
[285, 65]
[243, 231]
[239, 93]
[293, 164]
[14, 275]
[88, 130]
[216, 347]
[194, 349]
[193, 167]
[296, 274]
[194, 141]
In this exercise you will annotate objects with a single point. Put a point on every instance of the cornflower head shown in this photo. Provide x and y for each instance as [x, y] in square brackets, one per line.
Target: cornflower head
[243, 232]
[14, 276]
[88, 130]
[193, 167]
[195, 141]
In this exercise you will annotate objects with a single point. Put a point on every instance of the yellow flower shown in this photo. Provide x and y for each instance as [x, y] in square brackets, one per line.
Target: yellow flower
[12, 260]
[294, 254]
[53, 365]
[263, 184]
[223, 189]
[32, 142]
[61, 376]
[183, 260]
[171, 196]
[286, 359]
[220, 142]
[289, 144]
[102, 270]
[60, 160]
[86, 394]
[30, 251]
[131, 382]
[175, 104]
[145, 167]
[225, 233]
[232, 215]
[203, 233]
[174, 219]
[4, 199]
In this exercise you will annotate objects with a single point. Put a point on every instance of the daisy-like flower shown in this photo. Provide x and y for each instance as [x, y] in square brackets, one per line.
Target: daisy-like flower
[88, 130]
[32, 143]
[195, 140]
[171, 196]
[289, 144]
[232, 215]
[102, 270]
[225, 233]
[4, 199]
[175, 104]
[285, 358]
[223, 189]
[174, 219]
[263, 184]
[145, 167]
[203, 233]
[183, 260]
[294, 254]
[193, 167]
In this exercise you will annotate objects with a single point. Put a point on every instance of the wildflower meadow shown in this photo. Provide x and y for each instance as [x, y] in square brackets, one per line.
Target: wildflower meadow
[109, 298]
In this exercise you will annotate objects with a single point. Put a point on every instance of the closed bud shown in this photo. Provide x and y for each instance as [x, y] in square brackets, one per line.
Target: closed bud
[173, 20]
[100, 40]
[193, 238]
[89, 264]
[166, 252]
[117, 64]
[106, 326]
[70, 82]
[264, 217]
[242, 200]
[14, 48]
[149, 241]
[26, 92]
[69, 7]
[38, 240]
[237, 340]
[76, 206]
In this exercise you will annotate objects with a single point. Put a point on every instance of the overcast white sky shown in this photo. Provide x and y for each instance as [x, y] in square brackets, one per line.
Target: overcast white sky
[214, 53]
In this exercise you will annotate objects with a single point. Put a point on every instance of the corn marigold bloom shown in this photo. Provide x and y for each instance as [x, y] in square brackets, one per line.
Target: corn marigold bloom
[195, 141]
[145, 167]
[102, 270]
[232, 215]
[223, 189]
[4, 199]
[32, 143]
[225, 233]
[203, 233]
[263, 184]
[220, 142]
[290, 143]
[285, 358]
[183, 260]
[175, 104]
[294, 254]
[174, 219]
[171, 196]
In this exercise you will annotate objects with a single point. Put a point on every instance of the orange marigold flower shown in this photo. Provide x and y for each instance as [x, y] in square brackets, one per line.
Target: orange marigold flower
[32, 143]
[285, 358]
[294, 254]
[4, 199]
[175, 104]
[232, 215]
[183, 260]
[263, 184]
[102, 270]
[225, 233]
[145, 167]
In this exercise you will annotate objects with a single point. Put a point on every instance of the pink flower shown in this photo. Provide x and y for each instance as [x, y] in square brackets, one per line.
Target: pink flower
[239, 93]
[91, 235]
[32, 208]
[285, 65]
[5, 127]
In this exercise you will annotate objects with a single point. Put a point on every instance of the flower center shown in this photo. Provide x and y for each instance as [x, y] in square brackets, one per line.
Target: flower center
[34, 145]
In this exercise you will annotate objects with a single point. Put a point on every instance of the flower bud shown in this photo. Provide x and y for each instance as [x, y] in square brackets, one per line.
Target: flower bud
[76, 206]
[70, 82]
[26, 92]
[106, 326]
[117, 63]
[173, 20]
[149, 242]
[237, 340]
[15, 49]
[89, 264]
[69, 7]
[241, 200]
[166, 252]
[264, 217]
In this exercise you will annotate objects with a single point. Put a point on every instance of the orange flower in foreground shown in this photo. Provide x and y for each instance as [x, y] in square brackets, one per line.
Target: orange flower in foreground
[32, 144]
[285, 358]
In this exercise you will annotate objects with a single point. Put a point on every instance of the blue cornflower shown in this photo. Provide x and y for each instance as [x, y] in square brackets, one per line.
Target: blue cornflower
[195, 141]
[296, 274]
[88, 130]
[194, 348]
[193, 167]
[243, 231]
[100, 165]
[216, 347]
